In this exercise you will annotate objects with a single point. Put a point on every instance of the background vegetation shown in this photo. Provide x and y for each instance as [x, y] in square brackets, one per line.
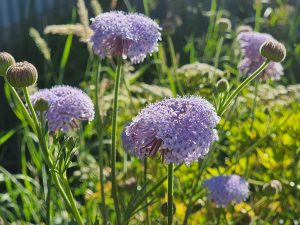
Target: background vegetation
[259, 136]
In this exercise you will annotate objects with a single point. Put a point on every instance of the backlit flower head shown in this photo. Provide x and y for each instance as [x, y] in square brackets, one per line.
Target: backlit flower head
[130, 35]
[227, 189]
[250, 43]
[67, 105]
[179, 129]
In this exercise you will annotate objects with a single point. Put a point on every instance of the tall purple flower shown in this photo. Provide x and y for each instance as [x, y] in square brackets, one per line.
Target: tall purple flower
[227, 189]
[250, 43]
[179, 129]
[67, 105]
[128, 35]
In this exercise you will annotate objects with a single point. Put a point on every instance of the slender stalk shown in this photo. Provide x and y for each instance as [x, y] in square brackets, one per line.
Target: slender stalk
[258, 8]
[71, 199]
[23, 108]
[170, 194]
[100, 137]
[174, 63]
[48, 203]
[114, 139]
[146, 7]
[218, 52]
[146, 200]
[242, 86]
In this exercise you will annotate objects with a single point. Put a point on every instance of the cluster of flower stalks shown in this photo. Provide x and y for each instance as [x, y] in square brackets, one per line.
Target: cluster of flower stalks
[179, 130]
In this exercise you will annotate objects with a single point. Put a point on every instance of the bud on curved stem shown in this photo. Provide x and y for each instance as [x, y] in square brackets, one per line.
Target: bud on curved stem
[6, 60]
[273, 51]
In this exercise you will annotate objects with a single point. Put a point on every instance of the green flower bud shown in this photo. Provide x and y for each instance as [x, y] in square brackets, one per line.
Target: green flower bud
[21, 74]
[6, 60]
[224, 25]
[272, 188]
[164, 209]
[41, 105]
[273, 50]
[222, 86]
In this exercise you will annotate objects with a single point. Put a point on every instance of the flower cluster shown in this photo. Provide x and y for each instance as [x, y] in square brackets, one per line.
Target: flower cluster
[227, 189]
[128, 35]
[250, 43]
[67, 105]
[180, 129]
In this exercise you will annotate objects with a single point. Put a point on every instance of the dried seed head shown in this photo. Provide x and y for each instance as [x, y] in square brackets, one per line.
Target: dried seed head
[164, 209]
[6, 60]
[273, 50]
[21, 74]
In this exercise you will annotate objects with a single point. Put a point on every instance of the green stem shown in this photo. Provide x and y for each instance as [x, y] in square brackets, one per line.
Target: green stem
[114, 139]
[170, 194]
[146, 7]
[242, 86]
[218, 52]
[71, 199]
[146, 200]
[48, 203]
[23, 108]
[258, 8]
[174, 63]
[100, 137]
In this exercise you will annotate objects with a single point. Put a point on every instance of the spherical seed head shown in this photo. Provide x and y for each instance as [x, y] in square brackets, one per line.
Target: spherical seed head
[222, 85]
[227, 189]
[272, 188]
[164, 208]
[224, 24]
[6, 60]
[67, 106]
[273, 50]
[124, 35]
[250, 43]
[179, 129]
[21, 74]
[41, 105]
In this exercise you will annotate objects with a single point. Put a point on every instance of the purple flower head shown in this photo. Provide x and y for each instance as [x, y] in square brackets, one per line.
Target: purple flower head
[67, 105]
[227, 189]
[250, 43]
[130, 35]
[180, 129]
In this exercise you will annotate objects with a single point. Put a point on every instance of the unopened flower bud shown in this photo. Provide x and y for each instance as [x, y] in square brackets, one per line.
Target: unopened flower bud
[164, 209]
[168, 28]
[21, 74]
[71, 143]
[6, 60]
[243, 28]
[273, 50]
[224, 24]
[222, 85]
[41, 105]
[273, 187]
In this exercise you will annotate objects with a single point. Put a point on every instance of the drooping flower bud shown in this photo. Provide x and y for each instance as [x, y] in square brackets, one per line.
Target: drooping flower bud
[273, 187]
[273, 50]
[21, 74]
[6, 60]
[224, 25]
[41, 105]
[222, 86]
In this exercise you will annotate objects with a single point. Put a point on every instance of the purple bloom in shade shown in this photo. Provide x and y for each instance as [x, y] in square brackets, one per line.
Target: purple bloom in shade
[227, 189]
[67, 105]
[179, 129]
[250, 43]
[130, 35]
